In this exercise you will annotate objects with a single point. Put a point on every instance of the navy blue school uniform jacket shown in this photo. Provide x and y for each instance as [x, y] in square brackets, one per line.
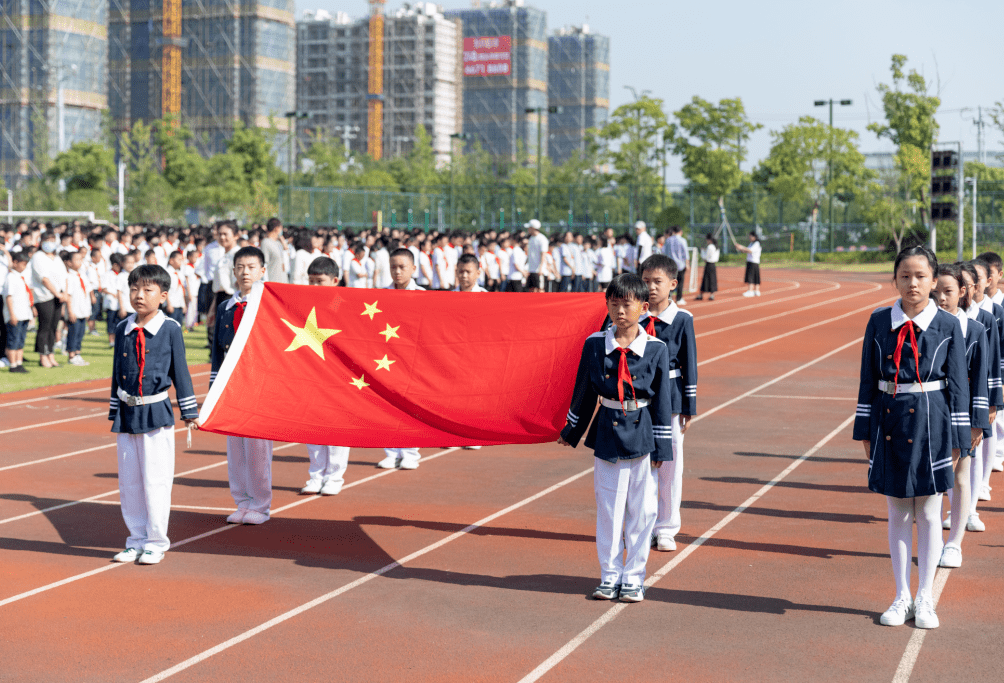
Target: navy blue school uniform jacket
[616, 434]
[675, 327]
[224, 335]
[912, 434]
[991, 316]
[164, 365]
[977, 354]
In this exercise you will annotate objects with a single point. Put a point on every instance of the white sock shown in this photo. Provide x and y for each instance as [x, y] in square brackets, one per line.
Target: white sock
[959, 516]
[901, 542]
[929, 540]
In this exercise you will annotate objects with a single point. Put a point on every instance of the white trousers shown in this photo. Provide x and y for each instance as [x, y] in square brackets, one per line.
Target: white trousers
[982, 466]
[410, 455]
[328, 463]
[626, 506]
[249, 466]
[999, 434]
[670, 477]
[146, 475]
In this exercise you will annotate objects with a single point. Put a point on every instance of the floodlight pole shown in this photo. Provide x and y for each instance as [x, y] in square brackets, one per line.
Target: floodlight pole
[973, 181]
[829, 164]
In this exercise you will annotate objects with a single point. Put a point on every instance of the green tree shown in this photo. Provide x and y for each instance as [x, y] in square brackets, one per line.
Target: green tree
[86, 169]
[184, 168]
[630, 140]
[709, 138]
[149, 198]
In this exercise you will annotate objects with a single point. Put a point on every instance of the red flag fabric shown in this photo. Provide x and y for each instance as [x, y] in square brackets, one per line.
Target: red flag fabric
[386, 368]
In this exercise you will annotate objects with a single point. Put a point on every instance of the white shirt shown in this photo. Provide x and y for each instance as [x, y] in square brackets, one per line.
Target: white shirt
[517, 260]
[16, 288]
[191, 281]
[490, 265]
[424, 273]
[110, 288]
[475, 288]
[80, 294]
[644, 246]
[381, 269]
[998, 297]
[123, 288]
[452, 255]
[535, 249]
[754, 255]
[606, 259]
[301, 264]
[711, 254]
[412, 286]
[549, 266]
[224, 279]
[503, 258]
[566, 254]
[211, 256]
[44, 267]
[440, 268]
[176, 294]
[356, 274]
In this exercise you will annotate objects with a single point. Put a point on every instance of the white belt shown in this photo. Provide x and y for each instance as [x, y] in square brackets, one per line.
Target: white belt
[629, 404]
[134, 401]
[674, 373]
[915, 388]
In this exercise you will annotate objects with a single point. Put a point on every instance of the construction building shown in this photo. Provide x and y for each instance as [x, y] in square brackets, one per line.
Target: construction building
[214, 63]
[53, 80]
[579, 84]
[505, 74]
[420, 82]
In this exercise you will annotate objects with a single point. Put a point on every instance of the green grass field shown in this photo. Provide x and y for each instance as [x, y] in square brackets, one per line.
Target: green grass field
[96, 351]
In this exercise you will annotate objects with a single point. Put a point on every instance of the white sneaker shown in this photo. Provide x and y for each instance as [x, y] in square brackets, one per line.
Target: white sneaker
[254, 517]
[756, 293]
[747, 294]
[665, 542]
[331, 488]
[151, 557]
[681, 302]
[237, 516]
[77, 360]
[4, 363]
[472, 448]
[388, 463]
[127, 555]
[998, 466]
[951, 557]
[947, 523]
[925, 616]
[313, 486]
[975, 523]
[898, 613]
[984, 493]
[409, 464]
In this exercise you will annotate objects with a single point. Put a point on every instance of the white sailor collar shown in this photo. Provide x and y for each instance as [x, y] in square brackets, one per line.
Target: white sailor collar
[666, 316]
[963, 320]
[987, 304]
[236, 299]
[153, 327]
[412, 286]
[998, 297]
[922, 320]
[973, 311]
[638, 345]
[475, 288]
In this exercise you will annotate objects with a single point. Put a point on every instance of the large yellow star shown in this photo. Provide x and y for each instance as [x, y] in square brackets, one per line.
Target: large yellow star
[371, 309]
[390, 332]
[359, 382]
[383, 363]
[310, 335]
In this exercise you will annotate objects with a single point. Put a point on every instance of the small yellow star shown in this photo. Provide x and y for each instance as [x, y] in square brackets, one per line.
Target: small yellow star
[390, 332]
[359, 382]
[383, 363]
[371, 309]
[310, 335]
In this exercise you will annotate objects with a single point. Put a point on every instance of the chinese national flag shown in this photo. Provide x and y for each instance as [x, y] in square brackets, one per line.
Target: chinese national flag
[384, 368]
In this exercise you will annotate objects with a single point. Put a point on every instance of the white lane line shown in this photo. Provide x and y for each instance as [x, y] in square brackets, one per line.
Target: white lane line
[791, 332]
[192, 539]
[173, 507]
[808, 398]
[794, 310]
[612, 613]
[761, 303]
[69, 419]
[909, 659]
[72, 393]
[794, 284]
[188, 663]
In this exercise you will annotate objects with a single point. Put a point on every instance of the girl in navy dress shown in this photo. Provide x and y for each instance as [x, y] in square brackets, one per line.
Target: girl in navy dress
[952, 296]
[913, 420]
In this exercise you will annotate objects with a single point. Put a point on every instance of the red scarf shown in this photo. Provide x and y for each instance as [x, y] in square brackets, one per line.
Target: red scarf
[623, 375]
[140, 356]
[239, 314]
[898, 353]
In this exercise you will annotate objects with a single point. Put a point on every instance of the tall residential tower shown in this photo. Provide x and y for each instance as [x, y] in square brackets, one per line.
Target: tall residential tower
[579, 83]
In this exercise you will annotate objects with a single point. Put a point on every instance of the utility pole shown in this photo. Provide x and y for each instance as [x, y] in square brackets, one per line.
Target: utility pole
[348, 133]
[829, 165]
[291, 117]
[973, 181]
[539, 111]
[453, 207]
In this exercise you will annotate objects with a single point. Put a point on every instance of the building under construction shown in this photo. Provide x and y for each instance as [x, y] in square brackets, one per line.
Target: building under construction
[579, 83]
[418, 58]
[53, 80]
[211, 62]
[505, 74]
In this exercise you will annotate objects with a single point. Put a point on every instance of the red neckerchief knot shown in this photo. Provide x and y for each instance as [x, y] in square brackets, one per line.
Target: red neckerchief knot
[650, 328]
[623, 375]
[898, 353]
[140, 356]
[239, 314]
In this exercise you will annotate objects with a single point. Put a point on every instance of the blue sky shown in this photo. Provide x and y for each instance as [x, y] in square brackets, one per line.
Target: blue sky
[780, 56]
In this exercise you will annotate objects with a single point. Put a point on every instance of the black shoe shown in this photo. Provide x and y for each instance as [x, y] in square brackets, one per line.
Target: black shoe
[20, 369]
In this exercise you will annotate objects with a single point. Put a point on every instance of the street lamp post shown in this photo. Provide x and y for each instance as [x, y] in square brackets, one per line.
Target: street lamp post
[539, 111]
[829, 163]
[453, 208]
[347, 133]
[292, 116]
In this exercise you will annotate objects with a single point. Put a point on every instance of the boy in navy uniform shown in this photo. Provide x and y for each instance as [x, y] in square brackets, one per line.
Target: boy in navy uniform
[249, 461]
[674, 326]
[326, 474]
[627, 371]
[149, 357]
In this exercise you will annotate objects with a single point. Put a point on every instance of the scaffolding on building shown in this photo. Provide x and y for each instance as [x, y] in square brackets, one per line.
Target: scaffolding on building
[578, 83]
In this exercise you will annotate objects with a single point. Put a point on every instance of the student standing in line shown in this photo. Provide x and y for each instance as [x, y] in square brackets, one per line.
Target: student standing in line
[994, 316]
[402, 271]
[46, 274]
[78, 306]
[709, 281]
[676, 249]
[913, 422]
[249, 461]
[996, 294]
[19, 302]
[149, 358]
[953, 297]
[752, 276]
[326, 474]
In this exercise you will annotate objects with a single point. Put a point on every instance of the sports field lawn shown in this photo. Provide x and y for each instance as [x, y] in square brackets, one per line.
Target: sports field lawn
[96, 351]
